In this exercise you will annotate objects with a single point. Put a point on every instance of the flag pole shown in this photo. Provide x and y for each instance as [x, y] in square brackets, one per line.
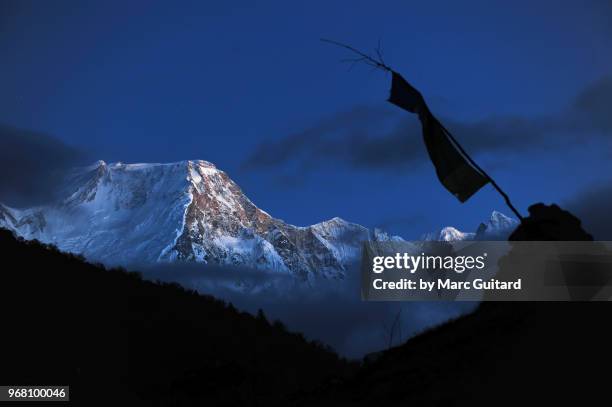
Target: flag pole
[378, 63]
[483, 172]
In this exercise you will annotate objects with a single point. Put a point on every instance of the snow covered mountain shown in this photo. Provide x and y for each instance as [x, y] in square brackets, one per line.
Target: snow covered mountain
[498, 227]
[135, 214]
[448, 234]
[128, 214]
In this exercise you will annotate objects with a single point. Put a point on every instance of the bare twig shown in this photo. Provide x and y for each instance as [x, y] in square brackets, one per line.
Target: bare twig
[389, 332]
[379, 53]
[376, 62]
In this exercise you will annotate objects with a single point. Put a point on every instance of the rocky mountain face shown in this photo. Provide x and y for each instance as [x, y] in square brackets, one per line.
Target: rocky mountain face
[134, 214]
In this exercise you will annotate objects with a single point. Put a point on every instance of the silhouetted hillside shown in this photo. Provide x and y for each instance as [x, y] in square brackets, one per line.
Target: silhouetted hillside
[502, 354]
[114, 337]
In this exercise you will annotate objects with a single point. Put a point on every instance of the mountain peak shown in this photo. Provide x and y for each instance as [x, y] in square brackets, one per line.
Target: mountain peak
[335, 220]
[94, 166]
[500, 221]
[498, 216]
[497, 227]
[202, 163]
[133, 214]
[451, 234]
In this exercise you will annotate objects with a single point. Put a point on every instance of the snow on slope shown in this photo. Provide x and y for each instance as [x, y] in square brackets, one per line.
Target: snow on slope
[133, 214]
[186, 211]
[498, 227]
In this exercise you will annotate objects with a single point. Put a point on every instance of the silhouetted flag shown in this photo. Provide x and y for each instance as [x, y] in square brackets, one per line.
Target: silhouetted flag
[454, 171]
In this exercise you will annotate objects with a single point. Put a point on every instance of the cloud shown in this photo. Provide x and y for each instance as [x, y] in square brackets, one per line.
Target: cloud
[388, 140]
[31, 165]
[593, 106]
[329, 138]
[603, 12]
[330, 311]
[592, 206]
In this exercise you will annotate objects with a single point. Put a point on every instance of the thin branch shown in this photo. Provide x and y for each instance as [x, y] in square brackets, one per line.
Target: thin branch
[378, 62]
[379, 53]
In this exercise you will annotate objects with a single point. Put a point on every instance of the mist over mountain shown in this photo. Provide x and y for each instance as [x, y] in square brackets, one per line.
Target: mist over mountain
[161, 343]
[145, 343]
[32, 165]
[188, 222]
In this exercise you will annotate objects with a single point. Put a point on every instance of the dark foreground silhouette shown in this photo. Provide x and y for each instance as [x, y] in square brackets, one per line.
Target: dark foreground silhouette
[119, 340]
[502, 354]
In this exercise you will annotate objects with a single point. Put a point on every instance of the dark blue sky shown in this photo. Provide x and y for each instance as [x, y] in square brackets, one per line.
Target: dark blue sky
[249, 86]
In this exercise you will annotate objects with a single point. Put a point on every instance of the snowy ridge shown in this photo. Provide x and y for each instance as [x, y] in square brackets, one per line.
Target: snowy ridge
[130, 214]
[134, 214]
[498, 227]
